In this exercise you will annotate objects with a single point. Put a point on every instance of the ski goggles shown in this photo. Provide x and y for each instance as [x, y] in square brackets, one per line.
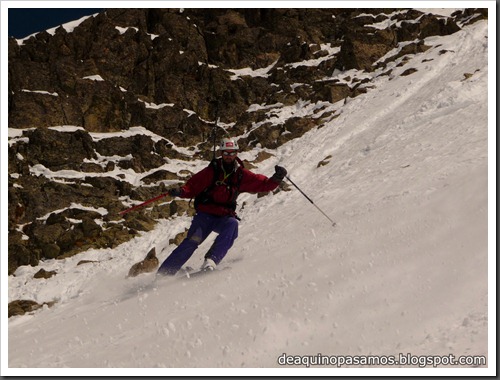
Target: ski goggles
[229, 153]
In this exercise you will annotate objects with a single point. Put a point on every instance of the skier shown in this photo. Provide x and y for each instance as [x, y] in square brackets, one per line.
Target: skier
[215, 190]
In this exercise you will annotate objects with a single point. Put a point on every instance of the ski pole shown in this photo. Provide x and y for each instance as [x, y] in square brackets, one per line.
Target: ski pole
[310, 200]
[143, 204]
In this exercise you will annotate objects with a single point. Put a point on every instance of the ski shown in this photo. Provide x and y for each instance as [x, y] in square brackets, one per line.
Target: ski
[201, 272]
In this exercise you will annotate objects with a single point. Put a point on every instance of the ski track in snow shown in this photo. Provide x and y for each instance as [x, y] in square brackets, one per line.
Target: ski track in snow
[403, 271]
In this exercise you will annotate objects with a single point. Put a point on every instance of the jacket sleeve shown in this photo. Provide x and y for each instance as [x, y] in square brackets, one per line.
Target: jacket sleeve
[197, 183]
[256, 183]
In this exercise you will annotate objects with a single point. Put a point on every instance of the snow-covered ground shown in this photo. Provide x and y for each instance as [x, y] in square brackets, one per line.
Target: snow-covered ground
[404, 272]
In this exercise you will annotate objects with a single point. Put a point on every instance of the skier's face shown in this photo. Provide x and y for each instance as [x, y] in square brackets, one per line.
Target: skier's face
[228, 156]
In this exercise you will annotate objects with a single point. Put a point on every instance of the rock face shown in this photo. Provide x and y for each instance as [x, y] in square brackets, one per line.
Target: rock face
[162, 76]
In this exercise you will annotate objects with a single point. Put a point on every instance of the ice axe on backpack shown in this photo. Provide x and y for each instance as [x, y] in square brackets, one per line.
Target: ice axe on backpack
[214, 128]
[310, 200]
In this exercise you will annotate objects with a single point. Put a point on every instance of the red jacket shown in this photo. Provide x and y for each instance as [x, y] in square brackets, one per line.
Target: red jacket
[226, 189]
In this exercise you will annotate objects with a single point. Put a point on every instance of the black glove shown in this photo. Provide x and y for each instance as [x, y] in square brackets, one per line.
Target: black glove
[279, 174]
[175, 192]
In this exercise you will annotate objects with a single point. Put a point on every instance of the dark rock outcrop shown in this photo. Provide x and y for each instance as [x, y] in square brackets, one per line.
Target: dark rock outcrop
[149, 264]
[21, 307]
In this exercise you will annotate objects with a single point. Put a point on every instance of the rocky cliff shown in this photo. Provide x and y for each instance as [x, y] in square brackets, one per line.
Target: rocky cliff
[129, 90]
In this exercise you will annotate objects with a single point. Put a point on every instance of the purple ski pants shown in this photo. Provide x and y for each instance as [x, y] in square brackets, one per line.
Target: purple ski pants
[202, 225]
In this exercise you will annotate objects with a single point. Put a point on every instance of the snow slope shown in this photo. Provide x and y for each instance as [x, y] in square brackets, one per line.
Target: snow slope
[404, 271]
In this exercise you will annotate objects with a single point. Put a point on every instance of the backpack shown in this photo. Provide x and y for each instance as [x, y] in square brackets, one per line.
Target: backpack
[205, 197]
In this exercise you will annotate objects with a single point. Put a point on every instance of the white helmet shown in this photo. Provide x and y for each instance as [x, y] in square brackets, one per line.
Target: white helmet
[228, 144]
